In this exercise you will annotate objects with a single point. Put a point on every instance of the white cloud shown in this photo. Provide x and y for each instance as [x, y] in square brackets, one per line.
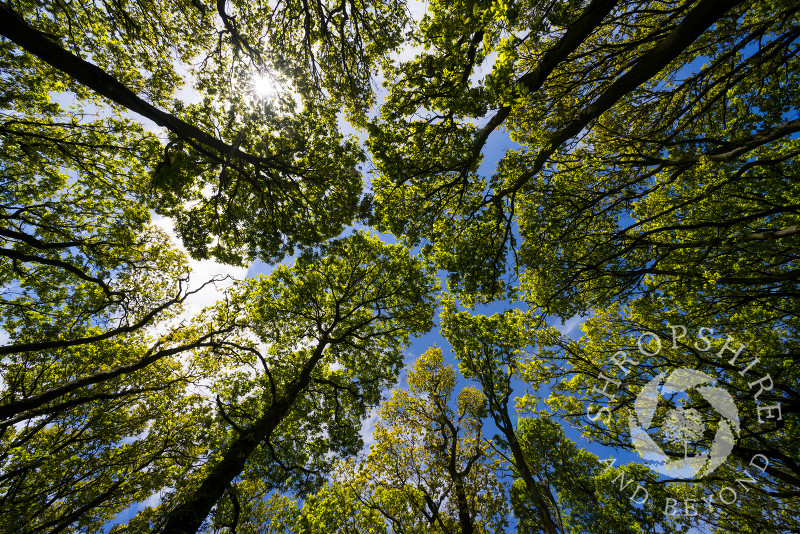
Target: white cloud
[202, 271]
[572, 326]
[368, 429]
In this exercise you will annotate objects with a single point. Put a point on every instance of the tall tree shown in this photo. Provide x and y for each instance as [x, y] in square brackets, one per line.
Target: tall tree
[430, 469]
[650, 187]
[244, 175]
[636, 160]
[593, 496]
[653, 175]
[318, 342]
[599, 384]
[757, 369]
[90, 292]
[490, 351]
[94, 408]
[558, 487]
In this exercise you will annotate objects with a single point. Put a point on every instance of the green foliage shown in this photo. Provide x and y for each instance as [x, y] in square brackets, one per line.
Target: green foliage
[85, 276]
[648, 185]
[615, 331]
[674, 177]
[429, 470]
[587, 489]
[310, 350]
[244, 174]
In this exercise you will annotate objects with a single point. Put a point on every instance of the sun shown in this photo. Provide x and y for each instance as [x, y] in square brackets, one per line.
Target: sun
[264, 86]
[270, 89]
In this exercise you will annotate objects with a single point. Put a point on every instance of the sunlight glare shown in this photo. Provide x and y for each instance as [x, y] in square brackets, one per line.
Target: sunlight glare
[264, 86]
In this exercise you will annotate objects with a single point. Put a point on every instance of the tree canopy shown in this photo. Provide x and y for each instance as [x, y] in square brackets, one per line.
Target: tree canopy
[628, 165]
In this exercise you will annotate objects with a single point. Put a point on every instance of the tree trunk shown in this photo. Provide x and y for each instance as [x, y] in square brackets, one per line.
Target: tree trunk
[188, 516]
[13, 27]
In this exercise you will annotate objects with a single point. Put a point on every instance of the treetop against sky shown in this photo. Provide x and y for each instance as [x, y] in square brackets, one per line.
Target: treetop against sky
[224, 224]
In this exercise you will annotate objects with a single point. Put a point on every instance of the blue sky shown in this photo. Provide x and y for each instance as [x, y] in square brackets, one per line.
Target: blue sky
[496, 147]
